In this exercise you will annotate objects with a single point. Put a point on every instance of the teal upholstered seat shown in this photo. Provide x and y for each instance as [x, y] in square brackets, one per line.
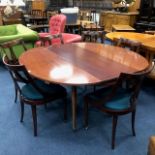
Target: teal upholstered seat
[29, 92]
[119, 102]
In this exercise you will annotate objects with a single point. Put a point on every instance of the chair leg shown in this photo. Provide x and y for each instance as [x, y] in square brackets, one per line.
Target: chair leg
[22, 110]
[65, 109]
[86, 114]
[133, 123]
[34, 115]
[16, 94]
[114, 124]
[94, 87]
[45, 106]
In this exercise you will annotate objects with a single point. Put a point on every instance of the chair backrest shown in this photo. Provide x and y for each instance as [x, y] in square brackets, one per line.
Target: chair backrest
[127, 43]
[57, 24]
[47, 40]
[134, 81]
[9, 48]
[19, 74]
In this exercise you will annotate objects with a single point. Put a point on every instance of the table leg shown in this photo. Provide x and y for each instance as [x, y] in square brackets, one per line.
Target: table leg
[74, 106]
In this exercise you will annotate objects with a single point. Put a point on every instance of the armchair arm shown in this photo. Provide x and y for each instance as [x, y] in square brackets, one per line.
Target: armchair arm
[48, 38]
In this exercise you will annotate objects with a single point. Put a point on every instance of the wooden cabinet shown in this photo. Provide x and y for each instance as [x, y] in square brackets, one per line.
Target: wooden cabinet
[109, 18]
[38, 5]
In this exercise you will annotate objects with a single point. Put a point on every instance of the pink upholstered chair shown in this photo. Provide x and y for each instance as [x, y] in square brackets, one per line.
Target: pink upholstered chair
[57, 26]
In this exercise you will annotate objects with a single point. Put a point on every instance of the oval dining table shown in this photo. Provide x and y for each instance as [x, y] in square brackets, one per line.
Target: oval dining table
[80, 64]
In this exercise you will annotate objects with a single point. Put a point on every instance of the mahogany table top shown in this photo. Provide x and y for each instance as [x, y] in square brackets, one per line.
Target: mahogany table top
[81, 63]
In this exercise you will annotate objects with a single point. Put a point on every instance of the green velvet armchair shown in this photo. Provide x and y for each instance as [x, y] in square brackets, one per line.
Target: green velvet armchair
[11, 32]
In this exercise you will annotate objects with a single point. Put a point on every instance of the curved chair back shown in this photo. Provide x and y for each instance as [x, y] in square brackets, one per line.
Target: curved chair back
[57, 24]
[127, 43]
[10, 50]
[19, 74]
[134, 81]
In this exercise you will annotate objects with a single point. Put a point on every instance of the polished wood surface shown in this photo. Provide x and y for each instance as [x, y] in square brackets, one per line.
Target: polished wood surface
[130, 35]
[150, 44]
[81, 63]
[147, 40]
[120, 27]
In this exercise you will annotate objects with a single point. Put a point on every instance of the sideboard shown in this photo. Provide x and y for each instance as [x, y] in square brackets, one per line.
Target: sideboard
[109, 18]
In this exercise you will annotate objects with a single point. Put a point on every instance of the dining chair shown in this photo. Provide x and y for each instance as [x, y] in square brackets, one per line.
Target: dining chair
[34, 92]
[117, 100]
[127, 43]
[91, 32]
[10, 50]
[149, 56]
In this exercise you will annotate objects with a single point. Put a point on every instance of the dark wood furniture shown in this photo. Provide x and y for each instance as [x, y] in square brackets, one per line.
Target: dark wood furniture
[80, 64]
[146, 40]
[47, 40]
[116, 100]
[8, 48]
[91, 4]
[77, 27]
[91, 32]
[127, 43]
[15, 18]
[56, 5]
[9, 51]
[146, 18]
[34, 92]
[37, 20]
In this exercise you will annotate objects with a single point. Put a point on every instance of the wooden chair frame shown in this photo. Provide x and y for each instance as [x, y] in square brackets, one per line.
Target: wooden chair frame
[137, 78]
[48, 39]
[131, 44]
[16, 71]
[8, 50]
